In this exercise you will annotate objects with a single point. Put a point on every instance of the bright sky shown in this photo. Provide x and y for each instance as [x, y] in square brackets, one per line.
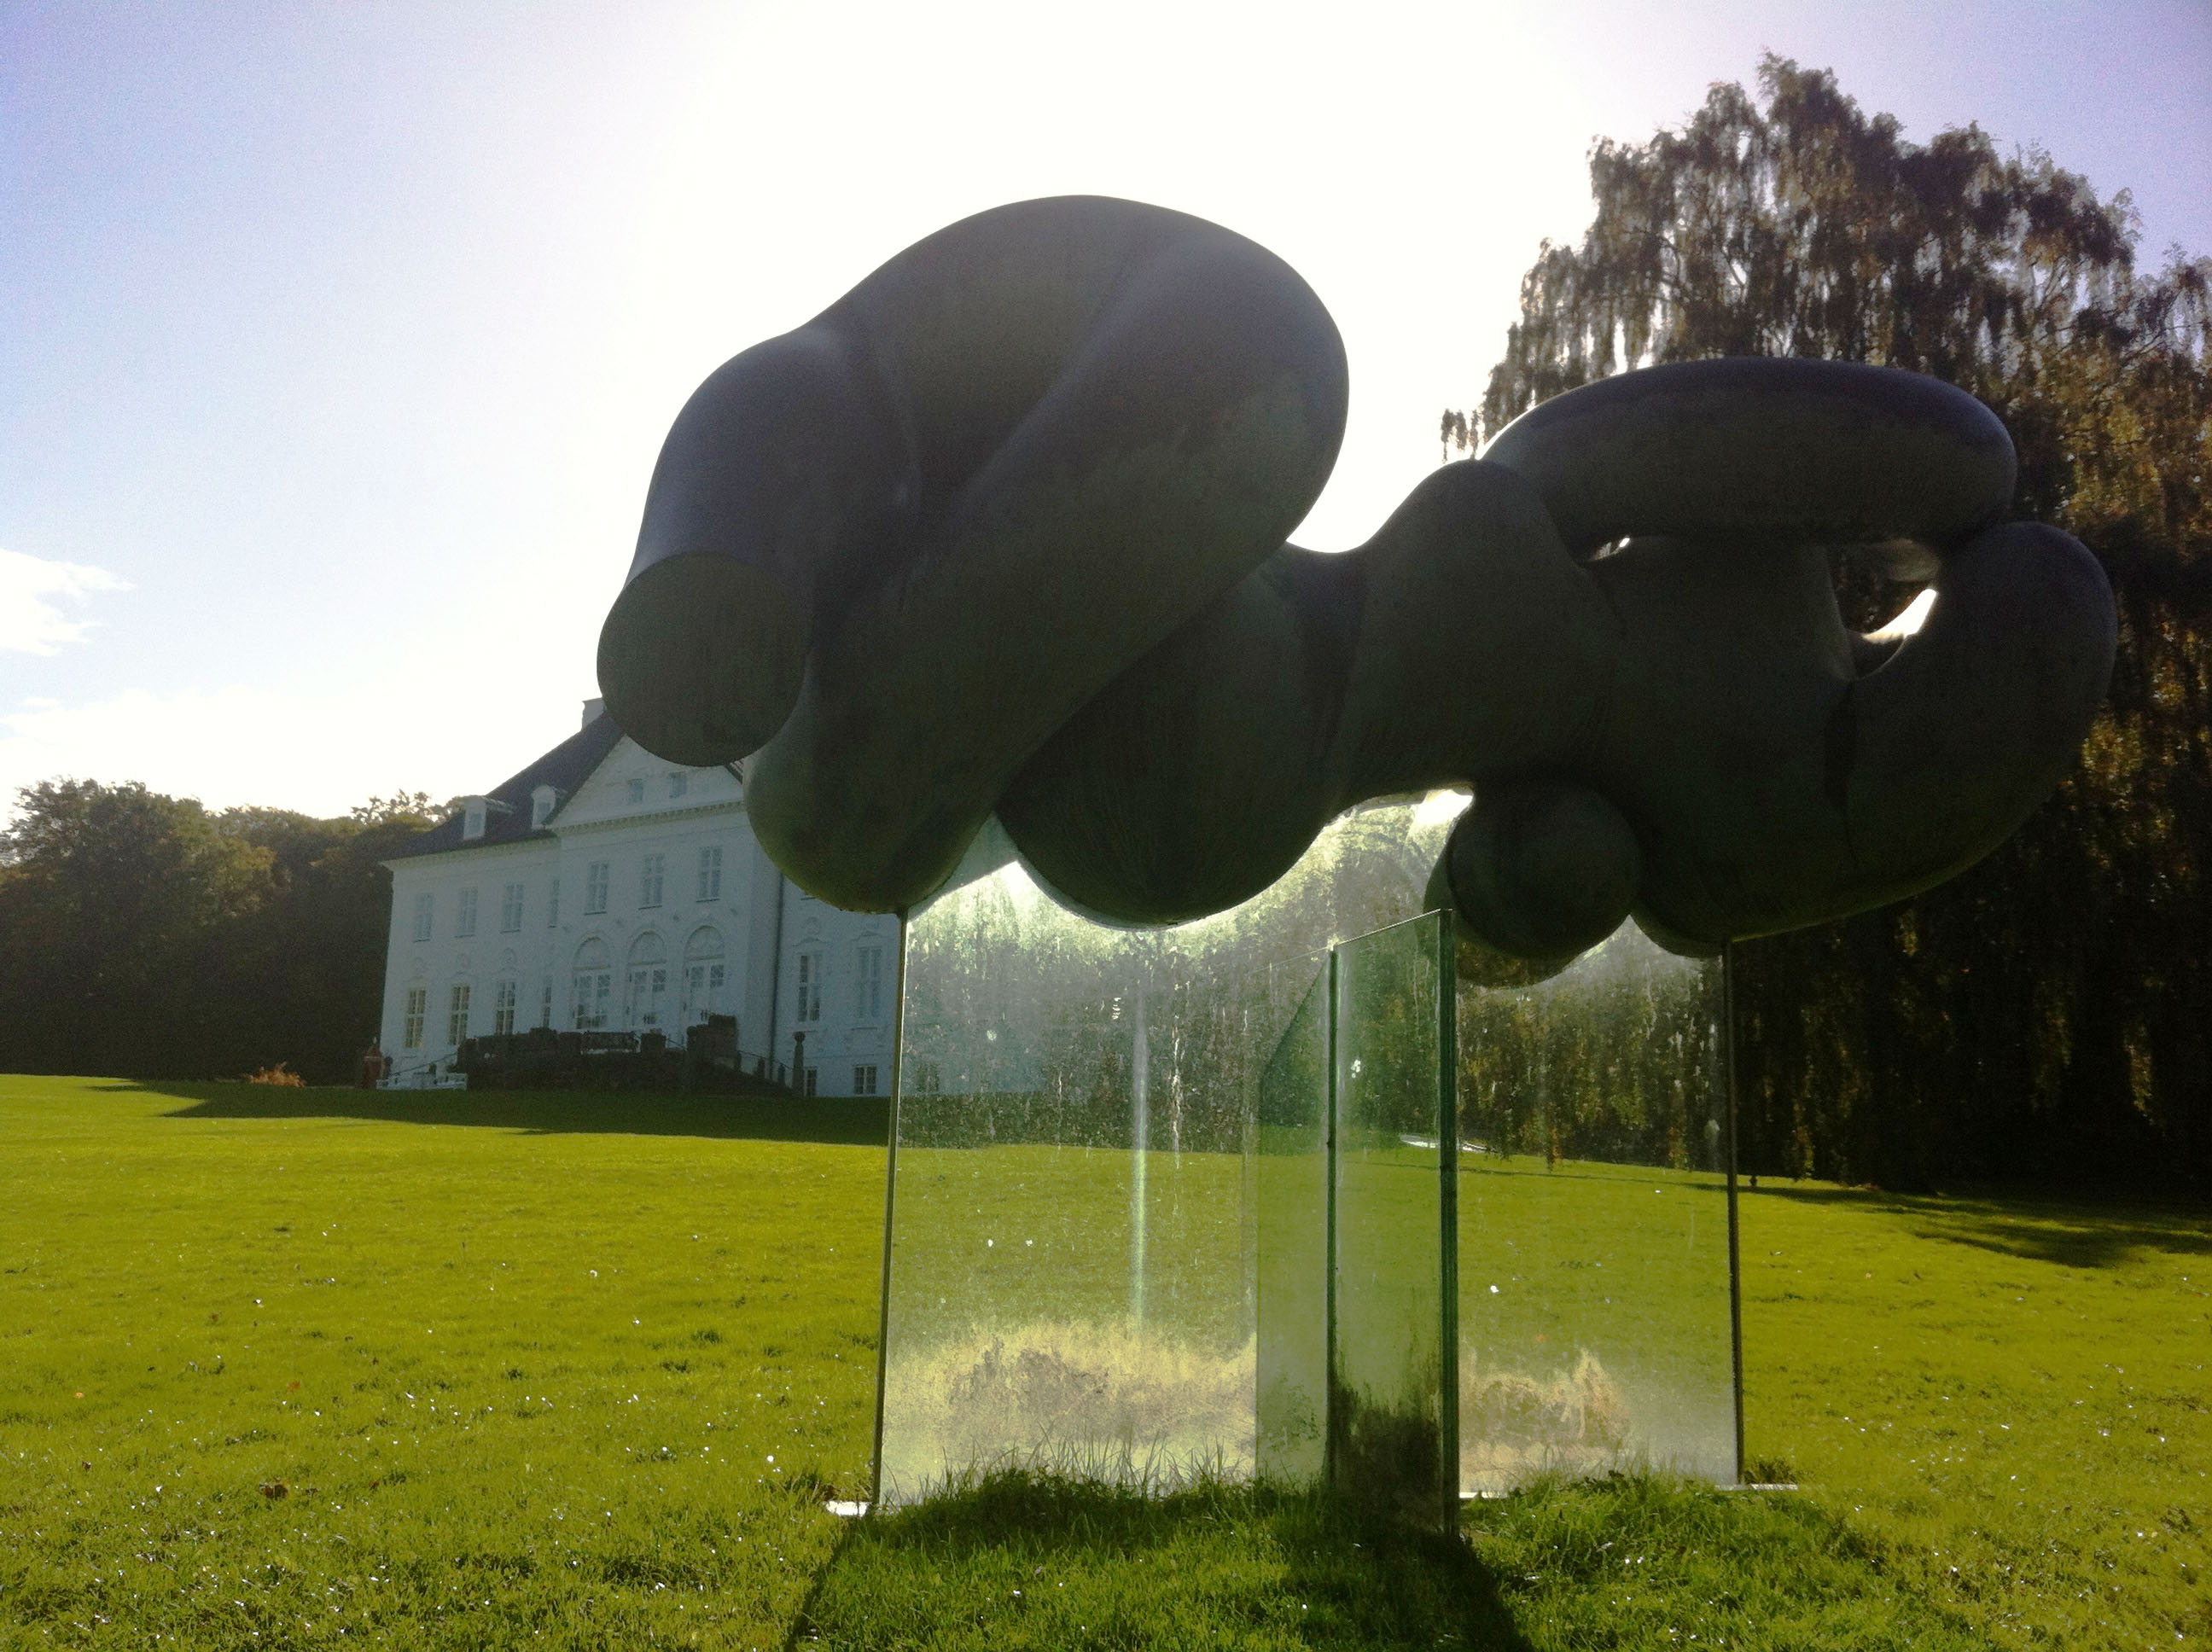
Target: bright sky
[337, 341]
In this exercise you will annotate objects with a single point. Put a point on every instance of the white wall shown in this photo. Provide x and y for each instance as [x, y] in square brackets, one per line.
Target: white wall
[764, 924]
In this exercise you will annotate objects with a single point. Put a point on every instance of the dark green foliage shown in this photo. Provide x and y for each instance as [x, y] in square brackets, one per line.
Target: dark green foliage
[151, 939]
[2045, 1017]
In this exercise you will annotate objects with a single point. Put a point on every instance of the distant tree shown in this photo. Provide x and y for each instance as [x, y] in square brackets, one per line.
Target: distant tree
[115, 902]
[2048, 1015]
[150, 938]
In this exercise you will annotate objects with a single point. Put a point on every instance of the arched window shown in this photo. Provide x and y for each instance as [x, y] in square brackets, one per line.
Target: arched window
[810, 984]
[649, 981]
[594, 985]
[703, 975]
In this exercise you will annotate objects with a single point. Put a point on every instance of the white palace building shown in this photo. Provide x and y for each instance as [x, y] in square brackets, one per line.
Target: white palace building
[602, 889]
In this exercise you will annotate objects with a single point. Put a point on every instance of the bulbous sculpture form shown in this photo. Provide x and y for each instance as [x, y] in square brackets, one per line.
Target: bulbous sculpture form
[1004, 528]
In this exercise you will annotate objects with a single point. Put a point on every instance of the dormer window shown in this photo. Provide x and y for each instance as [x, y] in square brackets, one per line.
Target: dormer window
[542, 801]
[472, 820]
[678, 784]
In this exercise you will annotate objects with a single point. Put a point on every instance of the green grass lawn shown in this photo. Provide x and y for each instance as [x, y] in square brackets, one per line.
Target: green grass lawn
[303, 1369]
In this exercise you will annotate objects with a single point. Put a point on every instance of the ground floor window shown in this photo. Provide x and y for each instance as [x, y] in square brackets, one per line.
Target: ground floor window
[502, 1008]
[593, 988]
[864, 1081]
[545, 1004]
[646, 986]
[457, 1015]
[410, 1024]
[807, 1089]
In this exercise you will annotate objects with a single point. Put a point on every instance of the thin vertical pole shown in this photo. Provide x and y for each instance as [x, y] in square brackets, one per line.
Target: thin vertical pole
[891, 1192]
[1448, 1214]
[1332, 1452]
[1734, 1260]
[1141, 1139]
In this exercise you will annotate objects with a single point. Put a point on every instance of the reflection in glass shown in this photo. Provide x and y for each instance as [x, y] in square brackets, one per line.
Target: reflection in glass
[1139, 1176]
[1390, 1431]
[1595, 1254]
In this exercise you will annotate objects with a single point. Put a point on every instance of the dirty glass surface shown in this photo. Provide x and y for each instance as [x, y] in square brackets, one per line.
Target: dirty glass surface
[1595, 1256]
[1390, 1432]
[1093, 1128]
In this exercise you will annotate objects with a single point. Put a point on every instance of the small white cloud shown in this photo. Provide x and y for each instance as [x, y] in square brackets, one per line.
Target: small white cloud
[30, 623]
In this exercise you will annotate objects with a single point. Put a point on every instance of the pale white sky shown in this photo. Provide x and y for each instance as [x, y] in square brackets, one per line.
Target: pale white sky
[337, 340]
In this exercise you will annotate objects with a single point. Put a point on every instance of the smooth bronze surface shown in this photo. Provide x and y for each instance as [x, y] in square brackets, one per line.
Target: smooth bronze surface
[1002, 530]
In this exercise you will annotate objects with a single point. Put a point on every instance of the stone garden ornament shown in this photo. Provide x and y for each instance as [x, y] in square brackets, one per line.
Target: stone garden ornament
[1003, 531]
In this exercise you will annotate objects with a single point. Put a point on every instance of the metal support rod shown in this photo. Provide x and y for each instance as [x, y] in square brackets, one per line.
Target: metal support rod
[1447, 1215]
[891, 1193]
[1734, 1257]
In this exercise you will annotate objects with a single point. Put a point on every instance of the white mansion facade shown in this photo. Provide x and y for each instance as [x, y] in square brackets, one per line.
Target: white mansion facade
[602, 889]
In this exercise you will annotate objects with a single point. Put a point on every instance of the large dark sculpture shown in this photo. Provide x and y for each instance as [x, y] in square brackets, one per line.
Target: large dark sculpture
[1003, 529]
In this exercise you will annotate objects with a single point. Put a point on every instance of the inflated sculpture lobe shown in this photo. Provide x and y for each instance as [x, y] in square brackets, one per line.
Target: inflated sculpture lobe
[1004, 530]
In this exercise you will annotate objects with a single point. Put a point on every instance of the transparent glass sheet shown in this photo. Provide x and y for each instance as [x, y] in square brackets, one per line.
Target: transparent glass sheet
[1139, 1175]
[1594, 1261]
[1390, 1431]
[1095, 1127]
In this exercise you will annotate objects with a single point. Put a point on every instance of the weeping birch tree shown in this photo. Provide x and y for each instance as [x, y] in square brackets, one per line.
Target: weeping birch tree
[2049, 1015]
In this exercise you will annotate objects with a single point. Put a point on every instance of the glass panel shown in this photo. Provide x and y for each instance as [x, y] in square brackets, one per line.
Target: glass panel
[1093, 1125]
[1292, 1173]
[1391, 1433]
[1595, 1251]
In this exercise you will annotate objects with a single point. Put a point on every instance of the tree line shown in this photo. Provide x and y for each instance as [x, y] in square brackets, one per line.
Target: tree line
[2047, 1017]
[149, 938]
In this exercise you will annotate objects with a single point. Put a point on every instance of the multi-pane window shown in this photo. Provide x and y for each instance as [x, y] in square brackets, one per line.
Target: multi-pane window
[811, 1074]
[710, 872]
[545, 1004]
[637, 791]
[553, 908]
[864, 1081]
[510, 909]
[595, 886]
[593, 988]
[868, 985]
[502, 1008]
[422, 909]
[457, 1015]
[647, 982]
[927, 1080]
[465, 914]
[810, 987]
[702, 989]
[678, 785]
[411, 1025]
[649, 879]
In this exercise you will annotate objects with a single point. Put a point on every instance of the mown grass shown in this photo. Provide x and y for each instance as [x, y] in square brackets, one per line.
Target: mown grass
[531, 1408]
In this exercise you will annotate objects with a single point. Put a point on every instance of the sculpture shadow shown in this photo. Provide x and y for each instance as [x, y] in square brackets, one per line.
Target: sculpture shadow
[859, 1122]
[1127, 1566]
[2083, 1232]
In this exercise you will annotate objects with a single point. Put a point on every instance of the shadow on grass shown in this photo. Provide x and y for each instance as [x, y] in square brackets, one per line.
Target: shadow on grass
[2077, 1231]
[1021, 1558]
[862, 1121]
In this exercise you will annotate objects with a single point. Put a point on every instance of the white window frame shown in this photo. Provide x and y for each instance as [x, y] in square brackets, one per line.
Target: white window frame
[503, 996]
[710, 872]
[635, 792]
[868, 982]
[810, 986]
[510, 910]
[464, 914]
[863, 1078]
[457, 1014]
[412, 1017]
[679, 783]
[596, 878]
[652, 875]
[425, 915]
